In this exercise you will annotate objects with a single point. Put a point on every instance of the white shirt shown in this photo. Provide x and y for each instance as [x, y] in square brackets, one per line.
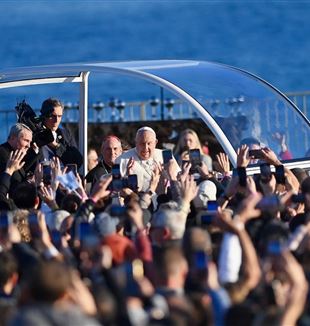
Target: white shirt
[142, 168]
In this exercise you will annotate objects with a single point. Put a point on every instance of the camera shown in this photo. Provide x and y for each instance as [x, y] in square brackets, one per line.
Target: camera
[28, 117]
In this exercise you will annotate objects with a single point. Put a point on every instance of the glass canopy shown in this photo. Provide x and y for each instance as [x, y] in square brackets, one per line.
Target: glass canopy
[242, 104]
[233, 103]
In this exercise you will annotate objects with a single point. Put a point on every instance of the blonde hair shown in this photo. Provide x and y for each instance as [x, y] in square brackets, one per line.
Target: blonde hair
[20, 219]
[180, 147]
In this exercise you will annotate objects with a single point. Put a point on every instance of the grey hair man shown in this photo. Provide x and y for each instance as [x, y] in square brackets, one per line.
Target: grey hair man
[20, 138]
[142, 159]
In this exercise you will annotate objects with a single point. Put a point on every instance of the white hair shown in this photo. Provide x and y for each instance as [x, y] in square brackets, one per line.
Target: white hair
[17, 129]
[143, 129]
[172, 219]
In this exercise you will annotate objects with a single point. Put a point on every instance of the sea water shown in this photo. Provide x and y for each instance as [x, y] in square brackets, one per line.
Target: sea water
[267, 38]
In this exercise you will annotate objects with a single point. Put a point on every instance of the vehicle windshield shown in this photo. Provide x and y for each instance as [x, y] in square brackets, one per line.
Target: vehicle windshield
[243, 105]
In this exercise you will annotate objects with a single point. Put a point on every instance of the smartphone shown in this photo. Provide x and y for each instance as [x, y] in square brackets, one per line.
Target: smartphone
[167, 155]
[200, 260]
[47, 174]
[132, 182]
[195, 159]
[242, 176]
[116, 171]
[274, 248]
[34, 226]
[265, 172]
[73, 168]
[56, 238]
[117, 184]
[298, 199]
[207, 219]
[212, 206]
[280, 176]
[5, 221]
[118, 211]
[256, 153]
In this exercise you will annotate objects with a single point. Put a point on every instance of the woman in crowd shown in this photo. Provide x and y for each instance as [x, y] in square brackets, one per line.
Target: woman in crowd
[189, 140]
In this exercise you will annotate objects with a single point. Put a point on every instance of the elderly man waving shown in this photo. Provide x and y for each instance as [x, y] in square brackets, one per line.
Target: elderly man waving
[143, 159]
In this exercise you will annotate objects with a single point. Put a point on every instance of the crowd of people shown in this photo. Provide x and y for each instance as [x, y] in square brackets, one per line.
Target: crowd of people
[149, 237]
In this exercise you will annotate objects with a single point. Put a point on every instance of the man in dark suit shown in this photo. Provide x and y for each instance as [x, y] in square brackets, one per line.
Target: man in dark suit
[20, 138]
[111, 148]
[64, 145]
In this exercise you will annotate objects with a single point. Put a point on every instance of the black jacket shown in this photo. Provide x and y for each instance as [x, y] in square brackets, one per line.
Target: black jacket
[67, 150]
[99, 170]
[31, 159]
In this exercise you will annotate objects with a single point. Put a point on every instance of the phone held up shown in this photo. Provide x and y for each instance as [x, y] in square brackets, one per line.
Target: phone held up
[167, 155]
[256, 153]
[195, 159]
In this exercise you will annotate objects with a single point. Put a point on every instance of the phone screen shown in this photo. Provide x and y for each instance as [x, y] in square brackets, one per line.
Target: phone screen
[167, 155]
[280, 177]
[47, 174]
[34, 227]
[56, 238]
[201, 260]
[132, 182]
[195, 159]
[73, 168]
[256, 153]
[4, 222]
[242, 176]
[298, 199]
[212, 205]
[116, 172]
[117, 184]
[207, 219]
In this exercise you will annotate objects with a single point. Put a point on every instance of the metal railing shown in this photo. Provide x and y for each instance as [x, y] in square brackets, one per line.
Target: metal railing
[170, 109]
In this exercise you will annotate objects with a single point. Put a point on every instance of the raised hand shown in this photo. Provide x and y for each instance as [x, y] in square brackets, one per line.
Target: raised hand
[15, 161]
[189, 189]
[243, 158]
[130, 166]
[101, 188]
[223, 163]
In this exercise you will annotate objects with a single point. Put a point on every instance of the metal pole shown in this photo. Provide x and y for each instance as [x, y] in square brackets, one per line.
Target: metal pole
[162, 103]
[83, 119]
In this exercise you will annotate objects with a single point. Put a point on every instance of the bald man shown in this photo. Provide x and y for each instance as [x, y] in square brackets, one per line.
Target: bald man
[111, 148]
